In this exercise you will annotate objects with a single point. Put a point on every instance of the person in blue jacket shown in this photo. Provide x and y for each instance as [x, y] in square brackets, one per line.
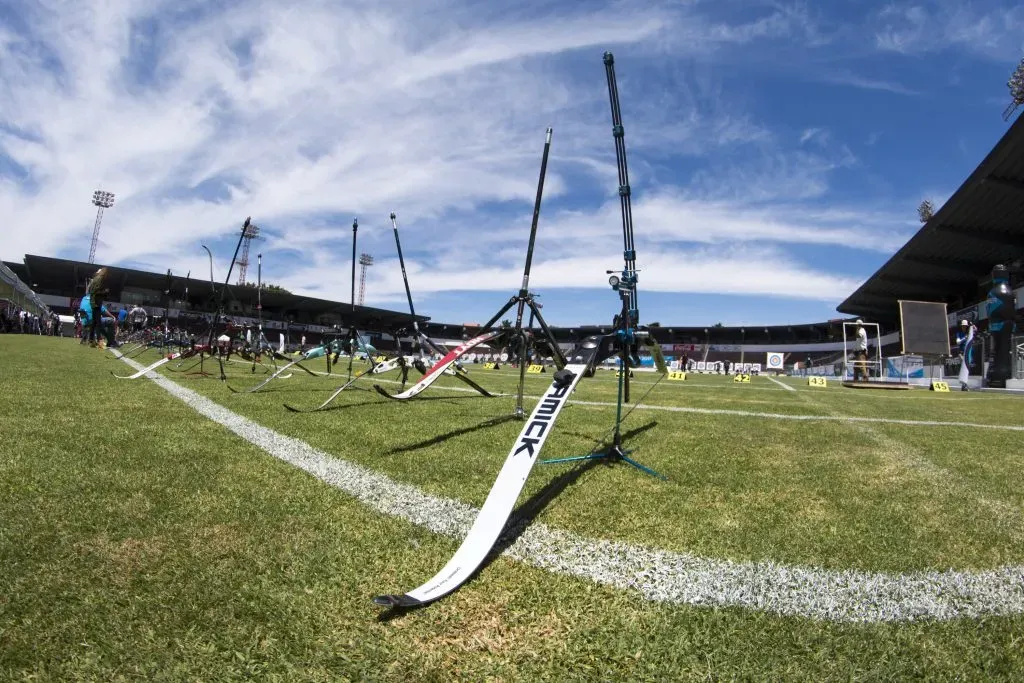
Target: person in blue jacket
[96, 319]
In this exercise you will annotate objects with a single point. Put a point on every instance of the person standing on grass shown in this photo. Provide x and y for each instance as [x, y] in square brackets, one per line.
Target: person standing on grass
[95, 316]
[965, 341]
[138, 318]
[860, 368]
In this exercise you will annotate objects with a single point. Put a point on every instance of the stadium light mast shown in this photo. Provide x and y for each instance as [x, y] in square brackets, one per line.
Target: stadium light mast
[102, 200]
[252, 232]
[365, 261]
[1016, 86]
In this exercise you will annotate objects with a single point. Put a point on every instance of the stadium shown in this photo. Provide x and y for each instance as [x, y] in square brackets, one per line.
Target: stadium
[220, 479]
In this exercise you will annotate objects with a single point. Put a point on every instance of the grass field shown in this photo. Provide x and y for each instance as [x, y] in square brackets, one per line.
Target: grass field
[140, 539]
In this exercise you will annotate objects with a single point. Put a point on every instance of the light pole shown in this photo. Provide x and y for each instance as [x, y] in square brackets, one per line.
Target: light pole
[102, 200]
[365, 261]
[1016, 86]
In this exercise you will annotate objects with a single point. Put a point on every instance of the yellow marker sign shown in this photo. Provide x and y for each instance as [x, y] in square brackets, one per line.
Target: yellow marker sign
[677, 375]
[380, 359]
[488, 366]
[535, 369]
[817, 382]
[940, 386]
[742, 377]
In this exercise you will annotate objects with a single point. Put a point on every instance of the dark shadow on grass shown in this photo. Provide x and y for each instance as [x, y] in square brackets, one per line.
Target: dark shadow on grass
[441, 438]
[524, 515]
[373, 403]
[274, 390]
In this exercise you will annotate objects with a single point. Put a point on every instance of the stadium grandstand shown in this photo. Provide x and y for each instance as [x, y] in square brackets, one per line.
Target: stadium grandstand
[949, 260]
[951, 257]
[190, 303]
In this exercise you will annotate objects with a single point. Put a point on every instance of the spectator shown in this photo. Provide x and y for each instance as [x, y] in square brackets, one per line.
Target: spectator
[138, 318]
[965, 340]
[860, 368]
[95, 316]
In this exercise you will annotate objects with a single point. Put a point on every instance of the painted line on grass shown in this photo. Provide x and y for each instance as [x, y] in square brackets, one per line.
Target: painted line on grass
[768, 416]
[742, 413]
[658, 575]
[780, 383]
[815, 418]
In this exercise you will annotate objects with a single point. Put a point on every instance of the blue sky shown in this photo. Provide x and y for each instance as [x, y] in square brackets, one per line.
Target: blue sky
[777, 152]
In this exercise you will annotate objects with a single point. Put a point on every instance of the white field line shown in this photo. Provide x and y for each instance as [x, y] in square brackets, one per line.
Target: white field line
[1007, 514]
[658, 575]
[743, 413]
[781, 384]
[768, 416]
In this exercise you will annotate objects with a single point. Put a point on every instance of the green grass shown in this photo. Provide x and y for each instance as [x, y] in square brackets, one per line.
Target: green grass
[139, 540]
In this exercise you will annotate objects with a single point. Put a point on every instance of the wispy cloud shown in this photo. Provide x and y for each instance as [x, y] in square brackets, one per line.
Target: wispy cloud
[989, 28]
[751, 272]
[307, 114]
[855, 81]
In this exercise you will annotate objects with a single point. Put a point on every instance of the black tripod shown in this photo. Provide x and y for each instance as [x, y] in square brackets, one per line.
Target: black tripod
[261, 344]
[421, 342]
[524, 299]
[353, 340]
[625, 339]
[220, 316]
[627, 335]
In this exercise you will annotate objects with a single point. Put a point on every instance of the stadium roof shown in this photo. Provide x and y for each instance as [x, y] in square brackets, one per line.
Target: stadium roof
[952, 255]
[67, 278]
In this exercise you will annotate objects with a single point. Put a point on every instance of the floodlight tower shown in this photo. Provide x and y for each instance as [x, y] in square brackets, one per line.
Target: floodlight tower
[102, 200]
[365, 261]
[1016, 86]
[252, 232]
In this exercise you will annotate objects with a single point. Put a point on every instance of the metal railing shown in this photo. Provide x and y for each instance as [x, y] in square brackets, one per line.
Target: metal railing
[15, 291]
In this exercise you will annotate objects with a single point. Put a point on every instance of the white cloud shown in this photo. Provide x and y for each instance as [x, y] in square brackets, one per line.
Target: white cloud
[855, 81]
[740, 270]
[990, 28]
[304, 115]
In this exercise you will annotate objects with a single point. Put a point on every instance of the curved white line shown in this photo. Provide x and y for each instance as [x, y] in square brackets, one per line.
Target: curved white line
[659, 575]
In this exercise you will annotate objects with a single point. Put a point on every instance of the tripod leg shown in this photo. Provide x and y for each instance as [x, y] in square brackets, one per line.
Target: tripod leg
[556, 350]
[520, 413]
[351, 351]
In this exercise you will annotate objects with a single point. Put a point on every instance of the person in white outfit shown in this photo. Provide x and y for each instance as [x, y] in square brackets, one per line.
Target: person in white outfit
[965, 340]
[860, 368]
